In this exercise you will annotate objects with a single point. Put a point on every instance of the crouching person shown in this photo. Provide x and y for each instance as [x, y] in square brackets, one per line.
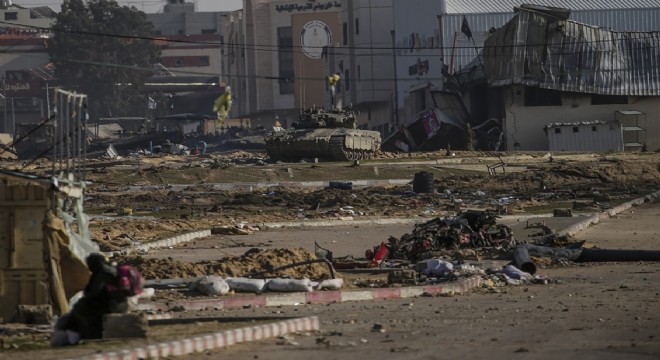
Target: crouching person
[107, 292]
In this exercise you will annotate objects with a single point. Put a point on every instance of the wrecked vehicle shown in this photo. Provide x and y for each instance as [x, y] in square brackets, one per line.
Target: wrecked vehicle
[470, 229]
[327, 134]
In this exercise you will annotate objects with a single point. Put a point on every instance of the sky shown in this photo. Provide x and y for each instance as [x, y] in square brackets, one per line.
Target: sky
[148, 6]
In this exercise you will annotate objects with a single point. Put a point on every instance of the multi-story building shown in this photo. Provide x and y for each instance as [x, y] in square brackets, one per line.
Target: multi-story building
[24, 61]
[234, 69]
[19, 16]
[285, 43]
[192, 40]
[192, 52]
[387, 48]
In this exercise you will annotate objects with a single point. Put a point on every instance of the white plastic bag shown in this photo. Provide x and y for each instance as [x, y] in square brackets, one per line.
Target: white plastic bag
[212, 285]
[290, 285]
[61, 336]
[438, 267]
[246, 285]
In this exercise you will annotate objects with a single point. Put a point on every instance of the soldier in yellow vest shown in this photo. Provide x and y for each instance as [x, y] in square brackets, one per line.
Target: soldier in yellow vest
[333, 82]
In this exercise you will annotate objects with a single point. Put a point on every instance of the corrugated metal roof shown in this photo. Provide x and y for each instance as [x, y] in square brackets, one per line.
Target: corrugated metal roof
[619, 20]
[536, 50]
[506, 6]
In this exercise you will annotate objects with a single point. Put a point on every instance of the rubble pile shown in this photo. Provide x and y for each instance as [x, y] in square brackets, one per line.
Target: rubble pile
[470, 229]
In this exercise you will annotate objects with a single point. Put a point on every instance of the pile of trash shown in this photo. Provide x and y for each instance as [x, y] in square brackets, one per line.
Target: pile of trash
[469, 229]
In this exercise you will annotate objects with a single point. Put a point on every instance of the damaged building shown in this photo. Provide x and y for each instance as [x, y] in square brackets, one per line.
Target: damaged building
[541, 68]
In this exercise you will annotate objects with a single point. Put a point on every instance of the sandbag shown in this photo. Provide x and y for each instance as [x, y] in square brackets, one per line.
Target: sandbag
[290, 285]
[330, 284]
[212, 285]
[246, 285]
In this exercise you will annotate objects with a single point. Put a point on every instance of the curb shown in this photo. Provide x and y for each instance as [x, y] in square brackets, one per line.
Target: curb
[175, 240]
[315, 297]
[214, 341]
[594, 219]
[571, 230]
[249, 186]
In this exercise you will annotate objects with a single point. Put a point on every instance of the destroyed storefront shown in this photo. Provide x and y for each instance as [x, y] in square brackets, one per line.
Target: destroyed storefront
[442, 122]
[44, 243]
[541, 68]
[44, 235]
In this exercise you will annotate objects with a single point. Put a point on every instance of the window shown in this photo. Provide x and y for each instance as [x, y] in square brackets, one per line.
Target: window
[357, 26]
[209, 31]
[285, 57]
[576, 129]
[203, 61]
[557, 130]
[593, 128]
[541, 97]
[608, 99]
[11, 15]
[359, 73]
[16, 75]
[178, 62]
[347, 80]
[345, 33]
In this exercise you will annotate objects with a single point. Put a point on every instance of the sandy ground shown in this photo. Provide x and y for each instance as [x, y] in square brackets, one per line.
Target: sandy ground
[598, 311]
[343, 240]
[594, 311]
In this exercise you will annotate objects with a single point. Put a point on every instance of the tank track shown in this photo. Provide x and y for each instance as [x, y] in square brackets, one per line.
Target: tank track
[339, 152]
[274, 149]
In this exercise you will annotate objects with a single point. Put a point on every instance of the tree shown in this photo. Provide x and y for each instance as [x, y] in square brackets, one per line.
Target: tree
[105, 51]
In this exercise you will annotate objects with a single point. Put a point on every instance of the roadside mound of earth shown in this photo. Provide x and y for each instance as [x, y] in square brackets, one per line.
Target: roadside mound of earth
[254, 261]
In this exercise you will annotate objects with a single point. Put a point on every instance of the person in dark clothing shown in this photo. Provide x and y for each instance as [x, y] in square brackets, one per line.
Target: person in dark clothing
[86, 317]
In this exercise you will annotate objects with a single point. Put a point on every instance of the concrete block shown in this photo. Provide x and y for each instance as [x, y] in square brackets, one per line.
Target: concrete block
[562, 213]
[131, 325]
[402, 277]
[34, 314]
[421, 265]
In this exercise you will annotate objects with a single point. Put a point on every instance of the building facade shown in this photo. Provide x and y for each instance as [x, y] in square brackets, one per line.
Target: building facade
[587, 74]
[192, 41]
[388, 48]
[285, 45]
[484, 16]
[24, 63]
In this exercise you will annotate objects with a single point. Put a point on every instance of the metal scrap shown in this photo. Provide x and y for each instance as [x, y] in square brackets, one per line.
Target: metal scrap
[470, 229]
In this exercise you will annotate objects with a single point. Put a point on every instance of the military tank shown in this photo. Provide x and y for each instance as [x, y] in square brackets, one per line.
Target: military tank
[324, 134]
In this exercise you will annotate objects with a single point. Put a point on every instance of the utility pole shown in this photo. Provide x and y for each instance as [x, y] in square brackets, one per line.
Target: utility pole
[396, 80]
[4, 105]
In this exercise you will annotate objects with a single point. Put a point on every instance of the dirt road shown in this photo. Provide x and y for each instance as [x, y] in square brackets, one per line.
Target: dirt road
[598, 311]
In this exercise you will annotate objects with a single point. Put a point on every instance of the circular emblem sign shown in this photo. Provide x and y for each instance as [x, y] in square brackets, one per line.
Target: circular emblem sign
[313, 37]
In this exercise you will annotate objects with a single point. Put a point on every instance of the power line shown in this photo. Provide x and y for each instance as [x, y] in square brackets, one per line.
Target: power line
[275, 48]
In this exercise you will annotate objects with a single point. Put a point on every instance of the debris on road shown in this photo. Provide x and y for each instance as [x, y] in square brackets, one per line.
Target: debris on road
[470, 229]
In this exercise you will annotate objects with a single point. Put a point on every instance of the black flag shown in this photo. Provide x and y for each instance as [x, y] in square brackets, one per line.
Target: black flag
[465, 28]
